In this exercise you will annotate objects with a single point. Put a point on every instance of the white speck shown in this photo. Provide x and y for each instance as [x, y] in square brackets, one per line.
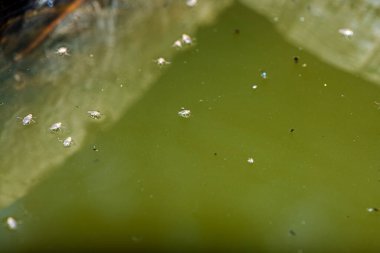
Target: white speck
[28, 119]
[346, 32]
[68, 142]
[161, 61]
[304, 65]
[177, 44]
[187, 39]
[191, 3]
[62, 51]
[56, 127]
[250, 160]
[94, 114]
[263, 74]
[11, 223]
[184, 113]
[275, 19]
[302, 19]
[254, 86]
[372, 209]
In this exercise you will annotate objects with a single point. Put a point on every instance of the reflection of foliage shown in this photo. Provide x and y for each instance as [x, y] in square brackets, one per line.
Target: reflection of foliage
[314, 25]
[116, 45]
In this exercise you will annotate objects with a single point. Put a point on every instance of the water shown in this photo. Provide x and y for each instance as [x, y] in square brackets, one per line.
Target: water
[157, 180]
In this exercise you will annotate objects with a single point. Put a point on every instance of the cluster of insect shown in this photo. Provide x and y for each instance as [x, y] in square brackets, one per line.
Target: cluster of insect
[185, 40]
[58, 126]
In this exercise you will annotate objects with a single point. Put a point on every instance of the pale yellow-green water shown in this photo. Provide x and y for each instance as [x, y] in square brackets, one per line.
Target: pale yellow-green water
[157, 181]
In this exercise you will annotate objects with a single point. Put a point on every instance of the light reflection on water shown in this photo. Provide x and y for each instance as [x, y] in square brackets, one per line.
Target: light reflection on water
[162, 181]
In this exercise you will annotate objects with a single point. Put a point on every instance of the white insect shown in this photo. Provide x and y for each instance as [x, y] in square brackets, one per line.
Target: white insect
[28, 119]
[68, 142]
[62, 51]
[161, 61]
[184, 113]
[346, 32]
[250, 160]
[11, 223]
[94, 114]
[177, 44]
[187, 39]
[56, 127]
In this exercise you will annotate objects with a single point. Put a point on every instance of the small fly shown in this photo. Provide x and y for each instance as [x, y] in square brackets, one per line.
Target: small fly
[27, 120]
[162, 61]
[56, 127]
[62, 51]
[68, 142]
[187, 39]
[94, 114]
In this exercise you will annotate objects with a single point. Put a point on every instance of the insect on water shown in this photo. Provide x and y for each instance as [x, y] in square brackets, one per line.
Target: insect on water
[62, 51]
[187, 39]
[56, 127]
[68, 142]
[27, 120]
[161, 61]
[94, 114]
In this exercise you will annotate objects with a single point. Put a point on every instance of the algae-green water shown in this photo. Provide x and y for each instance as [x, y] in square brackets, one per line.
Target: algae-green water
[158, 181]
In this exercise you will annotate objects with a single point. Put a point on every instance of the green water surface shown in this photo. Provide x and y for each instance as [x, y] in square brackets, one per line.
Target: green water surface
[155, 180]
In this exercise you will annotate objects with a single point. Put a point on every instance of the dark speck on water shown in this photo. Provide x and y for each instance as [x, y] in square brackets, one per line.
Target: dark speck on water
[237, 31]
[292, 233]
[296, 59]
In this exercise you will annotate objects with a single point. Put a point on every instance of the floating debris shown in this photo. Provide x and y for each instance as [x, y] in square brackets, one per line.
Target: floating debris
[304, 65]
[325, 84]
[161, 61]
[254, 86]
[94, 114]
[346, 32]
[263, 75]
[187, 39]
[292, 130]
[184, 113]
[372, 209]
[28, 119]
[56, 127]
[177, 44]
[250, 160]
[68, 142]
[62, 51]
[295, 59]
[292, 232]
[191, 3]
[94, 148]
[11, 223]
